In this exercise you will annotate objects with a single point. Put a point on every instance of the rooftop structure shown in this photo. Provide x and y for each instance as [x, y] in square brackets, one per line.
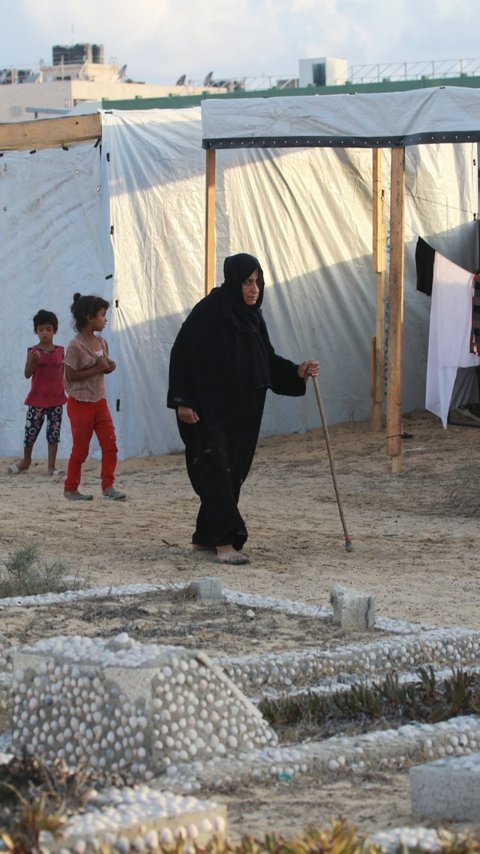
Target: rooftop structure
[331, 76]
[77, 75]
[80, 81]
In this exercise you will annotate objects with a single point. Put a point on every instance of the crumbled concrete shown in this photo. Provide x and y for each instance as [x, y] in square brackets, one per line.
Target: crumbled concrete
[352, 609]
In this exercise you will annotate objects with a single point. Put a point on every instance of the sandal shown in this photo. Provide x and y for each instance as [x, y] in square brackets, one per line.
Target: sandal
[199, 547]
[14, 468]
[232, 558]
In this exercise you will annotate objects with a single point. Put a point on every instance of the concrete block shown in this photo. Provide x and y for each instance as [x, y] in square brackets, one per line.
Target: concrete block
[448, 789]
[206, 589]
[121, 706]
[352, 609]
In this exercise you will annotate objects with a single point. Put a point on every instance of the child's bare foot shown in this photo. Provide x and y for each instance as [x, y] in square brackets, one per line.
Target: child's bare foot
[18, 467]
[227, 554]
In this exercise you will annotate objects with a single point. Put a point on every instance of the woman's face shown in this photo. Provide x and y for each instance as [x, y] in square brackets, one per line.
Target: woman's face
[251, 288]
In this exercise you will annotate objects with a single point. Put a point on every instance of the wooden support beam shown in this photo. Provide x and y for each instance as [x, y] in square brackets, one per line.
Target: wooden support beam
[210, 221]
[373, 375]
[50, 133]
[395, 343]
[379, 253]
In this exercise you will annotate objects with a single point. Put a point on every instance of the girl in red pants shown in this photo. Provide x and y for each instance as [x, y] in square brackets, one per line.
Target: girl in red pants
[86, 363]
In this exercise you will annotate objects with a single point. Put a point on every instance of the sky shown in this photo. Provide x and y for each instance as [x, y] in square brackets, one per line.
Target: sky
[160, 40]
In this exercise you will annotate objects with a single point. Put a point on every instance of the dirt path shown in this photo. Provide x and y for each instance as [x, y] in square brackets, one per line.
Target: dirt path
[416, 546]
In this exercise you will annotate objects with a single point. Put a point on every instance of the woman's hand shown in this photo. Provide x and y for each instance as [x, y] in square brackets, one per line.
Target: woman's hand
[310, 368]
[187, 415]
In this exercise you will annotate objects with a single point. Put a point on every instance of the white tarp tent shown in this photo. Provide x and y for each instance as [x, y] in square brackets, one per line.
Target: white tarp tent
[127, 221]
[380, 120]
[394, 121]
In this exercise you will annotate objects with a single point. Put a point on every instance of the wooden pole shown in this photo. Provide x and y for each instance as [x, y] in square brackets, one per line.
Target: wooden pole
[373, 376]
[395, 345]
[379, 251]
[210, 221]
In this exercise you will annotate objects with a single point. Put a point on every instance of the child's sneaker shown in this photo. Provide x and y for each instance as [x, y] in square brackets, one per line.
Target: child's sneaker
[113, 494]
[75, 495]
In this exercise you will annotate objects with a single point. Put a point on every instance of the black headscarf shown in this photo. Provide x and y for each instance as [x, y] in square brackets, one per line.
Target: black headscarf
[236, 270]
[251, 354]
[220, 360]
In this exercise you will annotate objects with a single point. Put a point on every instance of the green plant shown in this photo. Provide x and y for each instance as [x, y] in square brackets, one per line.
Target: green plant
[26, 575]
[36, 797]
[460, 696]
[424, 700]
[34, 816]
[360, 700]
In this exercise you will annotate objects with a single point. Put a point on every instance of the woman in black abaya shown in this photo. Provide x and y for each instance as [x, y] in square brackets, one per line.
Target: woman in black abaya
[221, 365]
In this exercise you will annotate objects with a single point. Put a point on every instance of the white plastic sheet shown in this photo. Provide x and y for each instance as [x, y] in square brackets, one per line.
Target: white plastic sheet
[430, 115]
[52, 244]
[306, 213]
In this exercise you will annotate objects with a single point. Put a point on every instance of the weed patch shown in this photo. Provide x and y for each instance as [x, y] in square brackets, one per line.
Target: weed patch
[362, 707]
[26, 575]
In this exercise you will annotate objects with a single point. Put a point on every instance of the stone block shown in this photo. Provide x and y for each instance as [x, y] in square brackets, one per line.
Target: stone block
[448, 789]
[352, 609]
[206, 589]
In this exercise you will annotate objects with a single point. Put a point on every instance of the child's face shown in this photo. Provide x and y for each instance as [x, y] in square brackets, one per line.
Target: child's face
[45, 332]
[99, 320]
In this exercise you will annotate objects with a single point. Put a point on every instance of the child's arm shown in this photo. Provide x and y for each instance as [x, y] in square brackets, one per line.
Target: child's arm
[31, 363]
[101, 366]
[111, 364]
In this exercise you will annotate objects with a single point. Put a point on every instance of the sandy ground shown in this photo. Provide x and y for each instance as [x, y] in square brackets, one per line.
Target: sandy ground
[416, 548]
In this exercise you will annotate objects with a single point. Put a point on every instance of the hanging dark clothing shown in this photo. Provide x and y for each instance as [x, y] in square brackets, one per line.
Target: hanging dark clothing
[221, 365]
[424, 260]
[475, 333]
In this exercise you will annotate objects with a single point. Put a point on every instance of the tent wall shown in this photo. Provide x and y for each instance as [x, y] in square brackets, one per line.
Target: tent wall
[52, 244]
[305, 213]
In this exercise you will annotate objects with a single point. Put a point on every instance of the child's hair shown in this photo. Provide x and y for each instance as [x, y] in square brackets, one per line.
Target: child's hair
[42, 318]
[84, 307]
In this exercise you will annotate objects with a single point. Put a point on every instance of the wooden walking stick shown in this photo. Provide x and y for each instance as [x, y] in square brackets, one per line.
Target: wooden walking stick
[348, 541]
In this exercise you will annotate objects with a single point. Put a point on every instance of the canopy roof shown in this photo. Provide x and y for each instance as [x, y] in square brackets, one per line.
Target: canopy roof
[381, 120]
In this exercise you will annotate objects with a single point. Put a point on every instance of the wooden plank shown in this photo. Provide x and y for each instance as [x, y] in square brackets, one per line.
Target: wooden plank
[210, 221]
[378, 212]
[379, 254]
[395, 345]
[50, 133]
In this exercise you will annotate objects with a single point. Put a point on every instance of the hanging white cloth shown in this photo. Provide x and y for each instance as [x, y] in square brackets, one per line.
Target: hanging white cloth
[449, 337]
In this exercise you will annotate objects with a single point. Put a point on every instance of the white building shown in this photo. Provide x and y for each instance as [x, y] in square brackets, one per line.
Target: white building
[76, 77]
